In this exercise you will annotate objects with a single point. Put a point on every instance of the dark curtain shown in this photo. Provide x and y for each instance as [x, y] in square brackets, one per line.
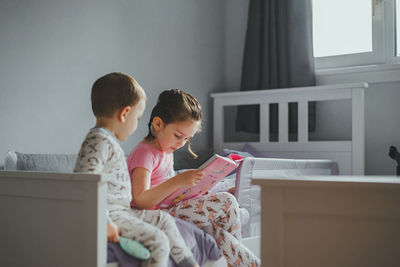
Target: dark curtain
[278, 54]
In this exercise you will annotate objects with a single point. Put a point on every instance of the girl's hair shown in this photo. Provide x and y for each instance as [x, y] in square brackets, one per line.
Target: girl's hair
[174, 106]
[114, 91]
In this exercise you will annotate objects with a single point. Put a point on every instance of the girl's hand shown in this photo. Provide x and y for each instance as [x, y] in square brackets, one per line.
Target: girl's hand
[231, 190]
[113, 232]
[190, 178]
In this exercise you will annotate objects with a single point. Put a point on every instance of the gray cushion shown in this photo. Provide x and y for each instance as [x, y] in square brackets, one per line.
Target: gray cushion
[40, 162]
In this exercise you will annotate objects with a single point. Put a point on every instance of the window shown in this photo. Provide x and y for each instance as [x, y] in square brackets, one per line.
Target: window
[354, 33]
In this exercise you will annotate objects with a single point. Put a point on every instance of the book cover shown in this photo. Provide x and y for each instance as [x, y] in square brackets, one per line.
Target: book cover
[214, 169]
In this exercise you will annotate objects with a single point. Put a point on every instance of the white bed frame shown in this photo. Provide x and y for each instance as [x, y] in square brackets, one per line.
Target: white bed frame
[348, 154]
[55, 219]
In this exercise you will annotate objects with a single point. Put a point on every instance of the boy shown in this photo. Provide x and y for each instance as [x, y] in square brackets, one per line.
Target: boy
[118, 102]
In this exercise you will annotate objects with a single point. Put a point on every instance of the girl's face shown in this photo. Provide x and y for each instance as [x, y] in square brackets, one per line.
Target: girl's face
[172, 136]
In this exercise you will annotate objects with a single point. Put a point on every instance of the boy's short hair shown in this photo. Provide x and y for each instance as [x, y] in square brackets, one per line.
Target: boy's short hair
[114, 91]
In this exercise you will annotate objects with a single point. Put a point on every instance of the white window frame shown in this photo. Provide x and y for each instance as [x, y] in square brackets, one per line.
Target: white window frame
[383, 42]
[390, 32]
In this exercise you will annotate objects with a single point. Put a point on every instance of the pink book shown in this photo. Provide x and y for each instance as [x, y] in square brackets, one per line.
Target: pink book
[214, 169]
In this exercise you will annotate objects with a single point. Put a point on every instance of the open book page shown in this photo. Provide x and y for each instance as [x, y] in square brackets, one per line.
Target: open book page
[214, 169]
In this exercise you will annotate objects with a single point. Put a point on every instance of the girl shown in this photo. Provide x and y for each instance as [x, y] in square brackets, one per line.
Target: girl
[174, 121]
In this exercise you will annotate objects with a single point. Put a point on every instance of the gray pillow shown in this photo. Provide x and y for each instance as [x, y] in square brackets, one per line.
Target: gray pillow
[40, 162]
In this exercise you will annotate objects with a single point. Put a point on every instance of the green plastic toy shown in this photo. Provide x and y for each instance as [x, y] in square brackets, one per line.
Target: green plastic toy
[134, 248]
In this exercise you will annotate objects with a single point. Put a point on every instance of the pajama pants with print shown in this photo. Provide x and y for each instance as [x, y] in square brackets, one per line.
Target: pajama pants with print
[157, 231]
[218, 215]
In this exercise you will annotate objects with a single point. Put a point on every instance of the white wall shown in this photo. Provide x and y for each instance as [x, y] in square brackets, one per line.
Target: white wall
[52, 51]
[382, 108]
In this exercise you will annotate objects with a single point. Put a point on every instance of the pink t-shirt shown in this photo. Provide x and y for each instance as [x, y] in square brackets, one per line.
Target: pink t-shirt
[158, 163]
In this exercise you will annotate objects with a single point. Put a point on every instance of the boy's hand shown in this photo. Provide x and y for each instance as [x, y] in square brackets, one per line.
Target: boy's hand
[190, 178]
[113, 232]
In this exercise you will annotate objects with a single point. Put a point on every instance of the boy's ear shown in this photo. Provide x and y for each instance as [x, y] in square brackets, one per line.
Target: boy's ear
[158, 124]
[124, 113]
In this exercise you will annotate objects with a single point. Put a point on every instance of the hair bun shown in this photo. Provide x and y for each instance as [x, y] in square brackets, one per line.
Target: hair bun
[169, 96]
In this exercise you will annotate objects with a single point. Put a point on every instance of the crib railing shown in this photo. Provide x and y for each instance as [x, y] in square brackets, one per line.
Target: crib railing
[302, 96]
